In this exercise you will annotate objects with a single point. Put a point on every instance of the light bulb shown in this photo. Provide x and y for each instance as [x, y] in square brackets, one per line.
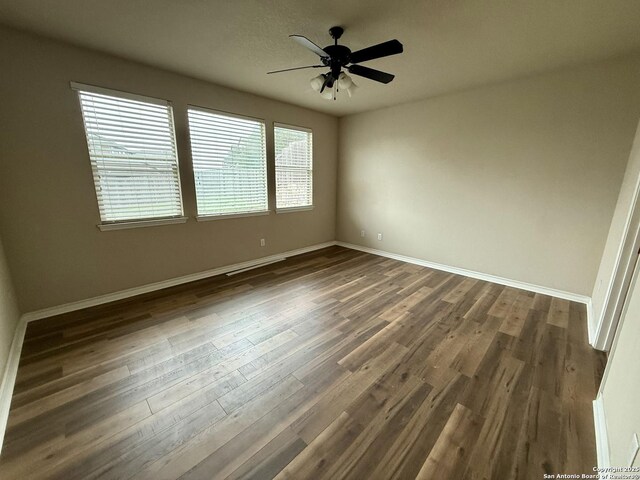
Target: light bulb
[352, 89]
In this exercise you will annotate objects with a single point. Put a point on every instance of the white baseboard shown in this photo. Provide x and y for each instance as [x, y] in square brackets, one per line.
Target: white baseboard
[6, 388]
[574, 297]
[9, 376]
[602, 441]
[152, 287]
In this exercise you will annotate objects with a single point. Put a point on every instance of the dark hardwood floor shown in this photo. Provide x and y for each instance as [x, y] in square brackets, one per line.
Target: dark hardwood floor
[335, 364]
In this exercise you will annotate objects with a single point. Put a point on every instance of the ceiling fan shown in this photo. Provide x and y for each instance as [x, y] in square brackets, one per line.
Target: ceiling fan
[336, 57]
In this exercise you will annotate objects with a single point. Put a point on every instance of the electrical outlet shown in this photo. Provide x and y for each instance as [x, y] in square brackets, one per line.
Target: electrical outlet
[633, 451]
[380, 236]
[262, 242]
[362, 233]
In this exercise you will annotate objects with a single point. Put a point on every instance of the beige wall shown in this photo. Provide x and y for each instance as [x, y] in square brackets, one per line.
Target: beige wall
[9, 313]
[518, 179]
[621, 384]
[48, 210]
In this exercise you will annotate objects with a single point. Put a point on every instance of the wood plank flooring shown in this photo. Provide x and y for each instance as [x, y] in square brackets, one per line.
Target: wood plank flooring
[334, 364]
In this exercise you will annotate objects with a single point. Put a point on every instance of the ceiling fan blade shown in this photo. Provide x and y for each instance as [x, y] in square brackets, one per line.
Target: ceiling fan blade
[305, 42]
[392, 47]
[370, 73]
[295, 68]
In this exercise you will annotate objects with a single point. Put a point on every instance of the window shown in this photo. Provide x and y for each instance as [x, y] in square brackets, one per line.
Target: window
[229, 163]
[133, 155]
[294, 167]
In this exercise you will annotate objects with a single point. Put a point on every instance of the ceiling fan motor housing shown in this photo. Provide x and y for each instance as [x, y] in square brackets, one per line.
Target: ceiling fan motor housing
[338, 58]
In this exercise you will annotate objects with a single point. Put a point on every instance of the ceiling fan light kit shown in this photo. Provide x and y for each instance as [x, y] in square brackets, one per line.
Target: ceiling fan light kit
[328, 88]
[336, 57]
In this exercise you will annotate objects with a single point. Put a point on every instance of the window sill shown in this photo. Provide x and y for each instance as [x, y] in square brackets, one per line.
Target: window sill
[294, 209]
[140, 223]
[206, 218]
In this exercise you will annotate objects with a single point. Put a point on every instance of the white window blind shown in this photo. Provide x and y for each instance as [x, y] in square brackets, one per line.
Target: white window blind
[133, 155]
[294, 167]
[229, 163]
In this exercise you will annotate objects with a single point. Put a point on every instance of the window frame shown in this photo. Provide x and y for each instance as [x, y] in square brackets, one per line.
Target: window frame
[205, 217]
[301, 208]
[106, 225]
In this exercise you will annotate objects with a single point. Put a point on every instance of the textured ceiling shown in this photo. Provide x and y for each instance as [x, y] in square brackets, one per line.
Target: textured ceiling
[449, 44]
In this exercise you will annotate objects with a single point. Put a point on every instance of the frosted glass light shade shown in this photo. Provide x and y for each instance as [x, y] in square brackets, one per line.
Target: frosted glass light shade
[327, 94]
[344, 81]
[317, 82]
